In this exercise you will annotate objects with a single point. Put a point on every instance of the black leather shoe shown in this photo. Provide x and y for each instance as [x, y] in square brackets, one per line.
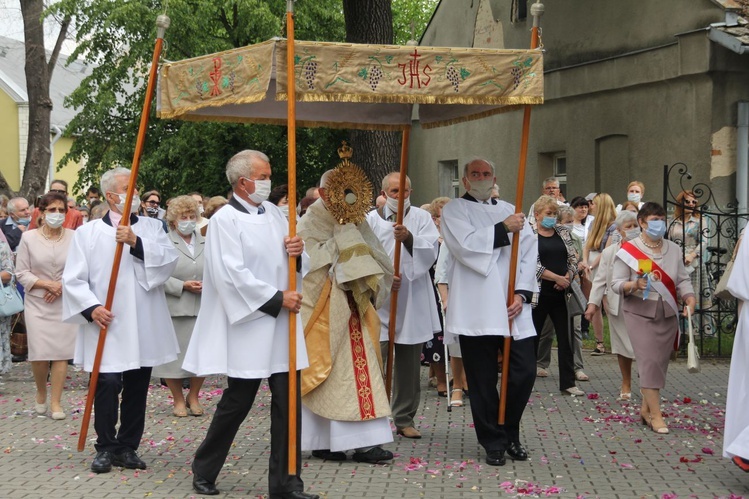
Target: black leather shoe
[517, 452]
[329, 455]
[495, 458]
[374, 455]
[102, 462]
[203, 486]
[294, 494]
[128, 459]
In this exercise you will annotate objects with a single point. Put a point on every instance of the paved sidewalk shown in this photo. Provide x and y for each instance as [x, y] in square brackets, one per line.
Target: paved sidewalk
[591, 446]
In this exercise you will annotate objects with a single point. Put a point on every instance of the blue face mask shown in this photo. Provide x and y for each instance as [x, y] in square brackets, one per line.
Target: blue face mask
[656, 229]
[548, 222]
[24, 221]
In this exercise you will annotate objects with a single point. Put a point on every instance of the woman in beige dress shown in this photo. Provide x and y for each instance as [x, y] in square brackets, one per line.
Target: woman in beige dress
[39, 264]
[183, 292]
[650, 306]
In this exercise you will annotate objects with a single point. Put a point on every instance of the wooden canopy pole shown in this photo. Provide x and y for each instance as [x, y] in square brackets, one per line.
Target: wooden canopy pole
[162, 23]
[291, 132]
[537, 10]
[397, 262]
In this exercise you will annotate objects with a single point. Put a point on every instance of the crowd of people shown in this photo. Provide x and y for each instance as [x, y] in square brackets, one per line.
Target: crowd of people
[203, 285]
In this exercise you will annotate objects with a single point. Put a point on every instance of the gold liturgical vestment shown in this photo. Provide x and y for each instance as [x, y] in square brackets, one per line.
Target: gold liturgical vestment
[349, 276]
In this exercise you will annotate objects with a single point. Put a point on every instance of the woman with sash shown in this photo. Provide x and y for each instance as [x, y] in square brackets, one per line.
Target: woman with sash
[650, 277]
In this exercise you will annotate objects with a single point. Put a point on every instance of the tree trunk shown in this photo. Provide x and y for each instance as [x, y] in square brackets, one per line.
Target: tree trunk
[38, 151]
[378, 153]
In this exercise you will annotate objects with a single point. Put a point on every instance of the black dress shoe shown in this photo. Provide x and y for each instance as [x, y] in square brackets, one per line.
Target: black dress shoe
[517, 452]
[329, 455]
[495, 458]
[128, 459]
[374, 455]
[294, 494]
[102, 462]
[203, 486]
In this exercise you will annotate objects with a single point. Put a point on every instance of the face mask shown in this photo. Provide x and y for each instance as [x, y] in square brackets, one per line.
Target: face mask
[634, 197]
[631, 233]
[134, 205]
[656, 229]
[285, 210]
[201, 210]
[152, 212]
[392, 204]
[24, 221]
[85, 219]
[481, 189]
[54, 220]
[262, 191]
[571, 227]
[548, 222]
[186, 227]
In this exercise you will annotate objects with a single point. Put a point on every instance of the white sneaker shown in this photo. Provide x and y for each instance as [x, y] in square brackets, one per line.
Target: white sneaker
[581, 376]
[541, 372]
[574, 391]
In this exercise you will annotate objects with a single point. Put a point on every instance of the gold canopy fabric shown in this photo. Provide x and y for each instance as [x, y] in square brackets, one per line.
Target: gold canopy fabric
[351, 85]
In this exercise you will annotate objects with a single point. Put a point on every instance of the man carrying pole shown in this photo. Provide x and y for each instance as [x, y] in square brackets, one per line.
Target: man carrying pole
[478, 231]
[140, 331]
[416, 317]
[243, 323]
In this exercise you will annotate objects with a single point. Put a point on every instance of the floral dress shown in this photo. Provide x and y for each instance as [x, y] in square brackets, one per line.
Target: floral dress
[691, 236]
[6, 264]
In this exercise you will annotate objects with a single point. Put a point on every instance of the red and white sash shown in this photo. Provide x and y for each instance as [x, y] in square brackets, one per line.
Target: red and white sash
[662, 282]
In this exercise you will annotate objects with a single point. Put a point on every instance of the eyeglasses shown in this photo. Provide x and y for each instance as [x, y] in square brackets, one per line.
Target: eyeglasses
[58, 191]
[551, 188]
[152, 203]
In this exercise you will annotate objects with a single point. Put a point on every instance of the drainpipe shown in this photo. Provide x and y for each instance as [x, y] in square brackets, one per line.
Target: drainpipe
[742, 160]
[58, 134]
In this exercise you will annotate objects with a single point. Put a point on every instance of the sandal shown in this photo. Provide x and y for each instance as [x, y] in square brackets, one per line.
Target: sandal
[196, 410]
[454, 401]
[600, 349]
[180, 412]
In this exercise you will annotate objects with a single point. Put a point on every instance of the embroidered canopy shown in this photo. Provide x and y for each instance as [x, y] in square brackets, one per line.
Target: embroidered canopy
[345, 85]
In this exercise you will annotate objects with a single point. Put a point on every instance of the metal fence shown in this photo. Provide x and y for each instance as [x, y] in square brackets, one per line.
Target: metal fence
[707, 233]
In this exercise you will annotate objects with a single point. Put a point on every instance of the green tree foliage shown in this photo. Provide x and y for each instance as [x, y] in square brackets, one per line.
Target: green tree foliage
[117, 38]
[407, 11]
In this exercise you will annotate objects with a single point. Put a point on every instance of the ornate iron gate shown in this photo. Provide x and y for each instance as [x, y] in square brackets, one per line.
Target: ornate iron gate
[707, 237]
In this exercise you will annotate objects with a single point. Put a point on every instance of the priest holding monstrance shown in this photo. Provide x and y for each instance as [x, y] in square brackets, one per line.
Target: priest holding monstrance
[345, 405]
[243, 324]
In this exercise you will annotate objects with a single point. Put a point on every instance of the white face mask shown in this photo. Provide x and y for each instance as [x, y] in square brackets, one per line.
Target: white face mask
[85, 219]
[392, 203]
[481, 189]
[631, 233]
[634, 197]
[54, 220]
[186, 227]
[134, 204]
[262, 191]
[285, 210]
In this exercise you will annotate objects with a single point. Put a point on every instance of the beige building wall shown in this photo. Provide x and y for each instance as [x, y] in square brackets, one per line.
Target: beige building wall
[9, 141]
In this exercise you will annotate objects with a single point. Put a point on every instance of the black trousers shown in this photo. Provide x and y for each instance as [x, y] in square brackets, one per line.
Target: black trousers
[480, 355]
[231, 412]
[131, 411]
[555, 307]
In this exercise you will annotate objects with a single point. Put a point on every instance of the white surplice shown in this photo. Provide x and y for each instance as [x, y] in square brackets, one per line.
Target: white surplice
[245, 265]
[736, 434]
[478, 273]
[416, 319]
[141, 333]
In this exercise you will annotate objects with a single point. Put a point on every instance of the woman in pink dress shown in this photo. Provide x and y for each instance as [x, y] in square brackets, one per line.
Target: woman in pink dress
[39, 264]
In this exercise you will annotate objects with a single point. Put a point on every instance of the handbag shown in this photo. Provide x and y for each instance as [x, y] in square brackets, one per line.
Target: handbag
[10, 299]
[721, 289]
[693, 354]
[576, 301]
